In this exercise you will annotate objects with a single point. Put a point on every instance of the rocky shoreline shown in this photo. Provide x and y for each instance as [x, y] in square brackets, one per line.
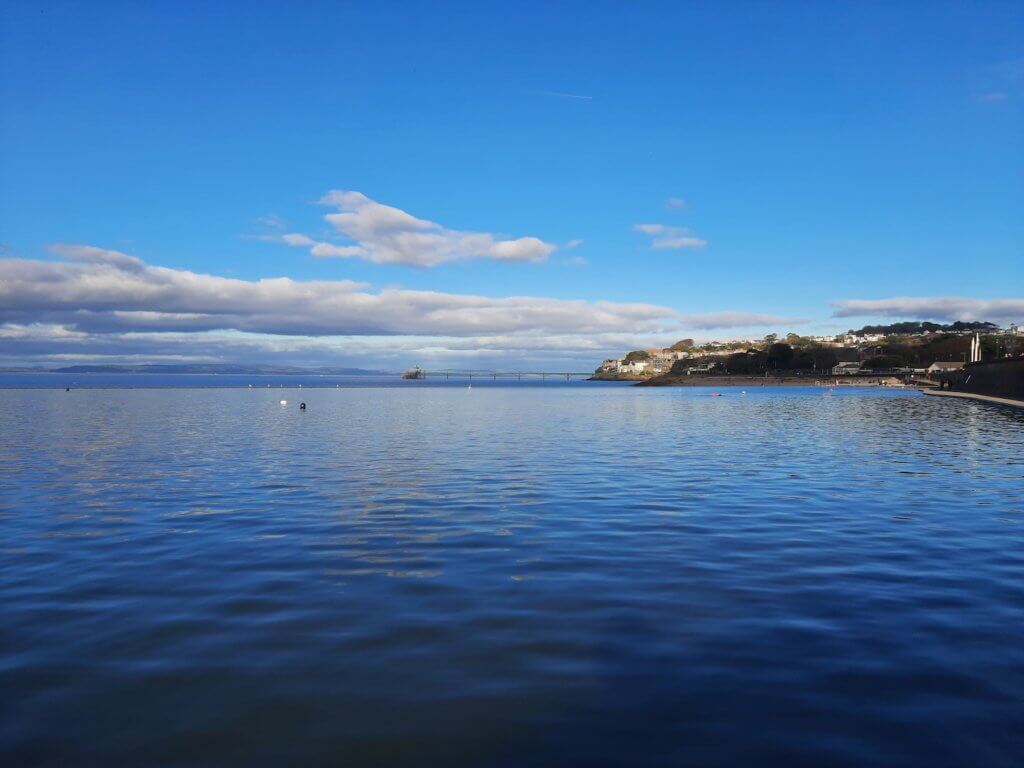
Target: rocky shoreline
[605, 376]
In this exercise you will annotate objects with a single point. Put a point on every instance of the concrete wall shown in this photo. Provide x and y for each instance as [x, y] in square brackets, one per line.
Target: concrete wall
[999, 378]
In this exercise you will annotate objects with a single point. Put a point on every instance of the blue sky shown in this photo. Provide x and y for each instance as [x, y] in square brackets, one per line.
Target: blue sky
[826, 152]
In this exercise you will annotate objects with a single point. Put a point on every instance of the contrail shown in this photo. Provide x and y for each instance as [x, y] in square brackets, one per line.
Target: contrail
[562, 95]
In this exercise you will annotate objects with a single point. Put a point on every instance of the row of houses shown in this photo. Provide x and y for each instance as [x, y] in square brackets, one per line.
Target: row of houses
[658, 361]
[853, 339]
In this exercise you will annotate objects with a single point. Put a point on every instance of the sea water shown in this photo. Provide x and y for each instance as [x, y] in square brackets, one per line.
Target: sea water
[509, 575]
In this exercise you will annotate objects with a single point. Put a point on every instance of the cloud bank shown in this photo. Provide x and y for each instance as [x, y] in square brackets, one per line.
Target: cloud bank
[101, 291]
[96, 304]
[383, 234]
[949, 308]
[722, 320]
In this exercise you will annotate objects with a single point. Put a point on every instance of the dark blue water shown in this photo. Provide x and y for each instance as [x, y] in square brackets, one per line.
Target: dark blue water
[50, 380]
[510, 576]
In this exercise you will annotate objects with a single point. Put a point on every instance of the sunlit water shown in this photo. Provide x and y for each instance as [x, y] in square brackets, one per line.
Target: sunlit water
[510, 576]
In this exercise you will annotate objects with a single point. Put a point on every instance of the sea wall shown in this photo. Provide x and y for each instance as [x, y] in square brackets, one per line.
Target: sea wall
[999, 378]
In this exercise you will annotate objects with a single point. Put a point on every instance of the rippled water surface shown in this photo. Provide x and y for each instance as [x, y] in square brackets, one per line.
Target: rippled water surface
[510, 576]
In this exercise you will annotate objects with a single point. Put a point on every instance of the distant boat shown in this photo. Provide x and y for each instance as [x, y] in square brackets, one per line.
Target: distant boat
[415, 373]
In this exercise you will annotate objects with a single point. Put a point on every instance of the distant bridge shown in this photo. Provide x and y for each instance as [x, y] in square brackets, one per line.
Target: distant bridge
[567, 375]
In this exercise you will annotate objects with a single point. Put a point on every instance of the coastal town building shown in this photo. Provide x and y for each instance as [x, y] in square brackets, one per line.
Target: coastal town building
[843, 369]
[633, 366]
[706, 368]
[944, 367]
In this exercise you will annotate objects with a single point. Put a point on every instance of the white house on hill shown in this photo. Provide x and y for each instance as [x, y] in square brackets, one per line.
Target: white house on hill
[938, 367]
[843, 369]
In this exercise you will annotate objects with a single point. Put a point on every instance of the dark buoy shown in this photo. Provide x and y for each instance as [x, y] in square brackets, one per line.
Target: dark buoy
[302, 406]
[67, 389]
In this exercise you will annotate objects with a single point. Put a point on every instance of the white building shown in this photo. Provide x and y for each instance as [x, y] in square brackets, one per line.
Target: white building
[843, 369]
[635, 366]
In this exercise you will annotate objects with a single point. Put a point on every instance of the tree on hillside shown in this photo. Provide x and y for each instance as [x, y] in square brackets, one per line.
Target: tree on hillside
[780, 356]
[802, 360]
[745, 363]
[823, 358]
[636, 356]
[682, 345]
[883, 361]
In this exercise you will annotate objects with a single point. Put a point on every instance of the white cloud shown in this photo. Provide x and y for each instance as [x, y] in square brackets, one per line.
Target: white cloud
[107, 291]
[272, 221]
[384, 234]
[573, 244]
[668, 237]
[99, 256]
[293, 238]
[933, 308]
[329, 251]
[675, 202]
[993, 97]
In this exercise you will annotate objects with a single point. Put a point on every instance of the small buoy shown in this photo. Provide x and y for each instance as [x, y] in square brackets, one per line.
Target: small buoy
[67, 389]
[284, 402]
[302, 406]
[743, 392]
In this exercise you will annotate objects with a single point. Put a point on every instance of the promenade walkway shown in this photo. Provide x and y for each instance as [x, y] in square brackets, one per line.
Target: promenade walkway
[970, 396]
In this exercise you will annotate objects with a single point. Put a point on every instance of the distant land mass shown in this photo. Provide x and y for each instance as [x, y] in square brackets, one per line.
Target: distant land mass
[211, 368]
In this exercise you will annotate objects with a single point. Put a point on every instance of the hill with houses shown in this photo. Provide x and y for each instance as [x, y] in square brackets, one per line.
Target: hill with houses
[905, 347]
